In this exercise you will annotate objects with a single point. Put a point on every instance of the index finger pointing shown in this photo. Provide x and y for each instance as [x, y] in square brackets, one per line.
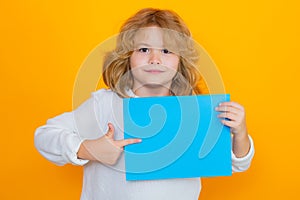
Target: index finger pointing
[122, 143]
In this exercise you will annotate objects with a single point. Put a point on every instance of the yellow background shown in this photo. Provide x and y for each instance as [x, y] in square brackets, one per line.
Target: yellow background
[254, 43]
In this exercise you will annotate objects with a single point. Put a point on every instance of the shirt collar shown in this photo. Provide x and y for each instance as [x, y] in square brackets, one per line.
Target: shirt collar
[130, 93]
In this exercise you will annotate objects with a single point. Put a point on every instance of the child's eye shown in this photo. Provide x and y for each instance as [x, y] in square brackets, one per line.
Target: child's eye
[143, 50]
[166, 51]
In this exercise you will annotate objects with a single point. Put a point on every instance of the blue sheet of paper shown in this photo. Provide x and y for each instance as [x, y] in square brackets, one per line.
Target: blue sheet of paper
[182, 137]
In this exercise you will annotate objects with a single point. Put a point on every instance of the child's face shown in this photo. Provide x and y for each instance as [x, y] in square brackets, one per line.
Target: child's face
[151, 62]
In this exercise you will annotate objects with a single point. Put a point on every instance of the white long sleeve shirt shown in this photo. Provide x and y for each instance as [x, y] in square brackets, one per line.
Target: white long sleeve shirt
[59, 141]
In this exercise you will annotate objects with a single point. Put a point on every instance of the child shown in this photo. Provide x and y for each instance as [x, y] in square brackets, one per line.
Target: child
[154, 56]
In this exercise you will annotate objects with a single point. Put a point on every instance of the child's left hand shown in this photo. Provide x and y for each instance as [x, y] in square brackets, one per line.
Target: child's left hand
[236, 115]
[237, 123]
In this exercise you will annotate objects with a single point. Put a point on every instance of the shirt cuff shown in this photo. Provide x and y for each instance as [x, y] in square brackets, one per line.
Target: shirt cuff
[243, 163]
[72, 146]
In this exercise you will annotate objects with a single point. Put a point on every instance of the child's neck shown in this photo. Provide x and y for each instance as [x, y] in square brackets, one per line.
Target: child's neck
[148, 91]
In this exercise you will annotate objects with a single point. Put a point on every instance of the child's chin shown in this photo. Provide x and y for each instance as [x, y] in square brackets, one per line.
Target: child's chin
[157, 84]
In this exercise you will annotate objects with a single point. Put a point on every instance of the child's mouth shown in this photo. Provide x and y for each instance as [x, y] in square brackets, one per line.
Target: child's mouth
[154, 71]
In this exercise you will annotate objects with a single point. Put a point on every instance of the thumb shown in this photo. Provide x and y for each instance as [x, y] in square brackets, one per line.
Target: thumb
[111, 131]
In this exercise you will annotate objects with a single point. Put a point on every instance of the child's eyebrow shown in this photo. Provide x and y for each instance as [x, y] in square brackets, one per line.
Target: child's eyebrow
[143, 44]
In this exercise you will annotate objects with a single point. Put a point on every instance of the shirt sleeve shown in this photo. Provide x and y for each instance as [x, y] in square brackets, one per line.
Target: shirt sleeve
[59, 140]
[243, 163]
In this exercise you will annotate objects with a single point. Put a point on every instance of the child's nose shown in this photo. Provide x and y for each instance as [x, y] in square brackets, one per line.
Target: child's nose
[155, 57]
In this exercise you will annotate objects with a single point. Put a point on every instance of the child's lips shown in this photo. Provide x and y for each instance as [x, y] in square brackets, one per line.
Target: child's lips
[154, 71]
